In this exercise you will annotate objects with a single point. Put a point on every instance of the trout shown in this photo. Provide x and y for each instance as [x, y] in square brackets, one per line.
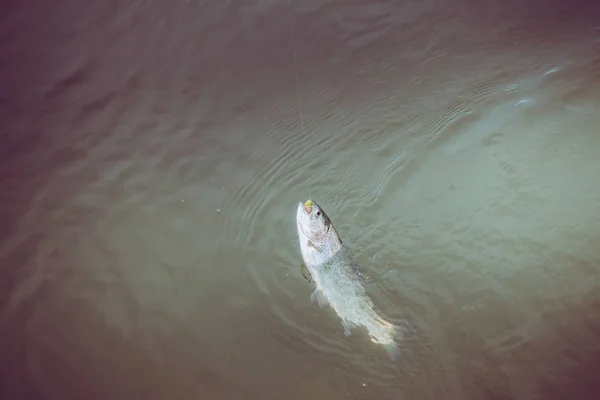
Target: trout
[340, 282]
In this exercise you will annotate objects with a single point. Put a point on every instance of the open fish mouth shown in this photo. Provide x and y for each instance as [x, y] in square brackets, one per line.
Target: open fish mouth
[308, 206]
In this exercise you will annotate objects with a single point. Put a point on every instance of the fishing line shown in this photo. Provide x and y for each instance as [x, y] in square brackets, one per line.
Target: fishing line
[296, 68]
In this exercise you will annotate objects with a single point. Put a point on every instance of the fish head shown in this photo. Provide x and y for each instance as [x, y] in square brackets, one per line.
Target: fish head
[318, 238]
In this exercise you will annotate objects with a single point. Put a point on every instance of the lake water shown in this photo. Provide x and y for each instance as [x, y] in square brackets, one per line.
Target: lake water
[153, 154]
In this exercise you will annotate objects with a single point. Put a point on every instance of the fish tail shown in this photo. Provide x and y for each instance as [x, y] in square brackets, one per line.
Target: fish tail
[393, 336]
[393, 350]
[389, 336]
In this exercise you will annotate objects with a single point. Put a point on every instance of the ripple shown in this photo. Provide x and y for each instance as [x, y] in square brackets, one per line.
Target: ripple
[362, 190]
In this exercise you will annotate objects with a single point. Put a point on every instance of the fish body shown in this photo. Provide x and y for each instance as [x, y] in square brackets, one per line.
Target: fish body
[340, 282]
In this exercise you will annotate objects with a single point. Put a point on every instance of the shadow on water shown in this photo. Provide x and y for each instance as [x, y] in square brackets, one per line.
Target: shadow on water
[578, 382]
[50, 359]
[23, 169]
[573, 371]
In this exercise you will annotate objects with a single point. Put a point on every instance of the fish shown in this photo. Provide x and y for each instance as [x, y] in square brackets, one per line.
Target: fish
[340, 281]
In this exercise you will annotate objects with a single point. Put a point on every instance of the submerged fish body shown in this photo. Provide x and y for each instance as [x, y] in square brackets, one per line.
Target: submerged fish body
[339, 282]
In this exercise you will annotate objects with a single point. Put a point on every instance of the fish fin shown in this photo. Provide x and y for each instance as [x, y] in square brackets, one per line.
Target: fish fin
[314, 295]
[347, 327]
[319, 297]
[306, 273]
[314, 246]
[323, 301]
[395, 334]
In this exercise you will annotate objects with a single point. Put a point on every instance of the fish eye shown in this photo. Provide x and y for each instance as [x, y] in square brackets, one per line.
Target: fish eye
[318, 213]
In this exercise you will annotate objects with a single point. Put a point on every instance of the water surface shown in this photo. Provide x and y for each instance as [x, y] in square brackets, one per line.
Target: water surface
[154, 153]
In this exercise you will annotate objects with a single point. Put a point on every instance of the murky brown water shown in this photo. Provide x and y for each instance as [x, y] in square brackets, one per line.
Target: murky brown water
[152, 159]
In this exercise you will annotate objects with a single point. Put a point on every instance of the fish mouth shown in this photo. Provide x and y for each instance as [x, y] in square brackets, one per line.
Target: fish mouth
[308, 206]
[303, 216]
